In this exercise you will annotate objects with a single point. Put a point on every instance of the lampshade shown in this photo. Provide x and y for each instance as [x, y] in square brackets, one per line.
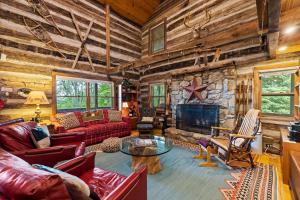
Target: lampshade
[125, 105]
[37, 98]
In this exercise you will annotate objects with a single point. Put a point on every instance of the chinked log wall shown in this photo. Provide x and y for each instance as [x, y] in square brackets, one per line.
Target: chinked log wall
[29, 62]
[233, 28]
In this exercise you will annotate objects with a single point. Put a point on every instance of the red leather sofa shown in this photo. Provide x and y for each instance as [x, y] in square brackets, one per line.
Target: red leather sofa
[15, 138]
[99, 130]
[19, 180]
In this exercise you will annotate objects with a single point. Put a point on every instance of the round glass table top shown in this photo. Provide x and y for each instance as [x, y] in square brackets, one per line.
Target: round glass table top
[146, 145]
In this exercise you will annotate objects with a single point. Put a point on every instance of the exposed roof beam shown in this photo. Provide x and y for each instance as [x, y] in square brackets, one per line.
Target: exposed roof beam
[273, 26]
[273, 39]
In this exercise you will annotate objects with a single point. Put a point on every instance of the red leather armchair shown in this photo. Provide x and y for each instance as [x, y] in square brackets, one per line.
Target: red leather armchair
[108, 185]
[19, 180]
[15, 138]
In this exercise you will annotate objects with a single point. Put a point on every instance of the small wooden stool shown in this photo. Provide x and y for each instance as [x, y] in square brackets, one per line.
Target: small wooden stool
[205, 145]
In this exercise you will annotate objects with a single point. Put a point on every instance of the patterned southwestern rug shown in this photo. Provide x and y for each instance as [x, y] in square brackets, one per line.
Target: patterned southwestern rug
[253, 184]
[182, 179]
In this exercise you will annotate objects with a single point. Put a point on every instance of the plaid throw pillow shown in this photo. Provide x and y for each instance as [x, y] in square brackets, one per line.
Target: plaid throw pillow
[68, 120]
[114, 116]
[93, 116]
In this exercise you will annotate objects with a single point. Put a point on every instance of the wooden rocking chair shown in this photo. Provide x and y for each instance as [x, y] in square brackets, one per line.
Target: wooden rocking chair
[236, 144]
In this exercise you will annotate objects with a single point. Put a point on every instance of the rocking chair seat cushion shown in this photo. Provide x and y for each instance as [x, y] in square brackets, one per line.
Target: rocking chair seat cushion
[221, 142]
[204, 142]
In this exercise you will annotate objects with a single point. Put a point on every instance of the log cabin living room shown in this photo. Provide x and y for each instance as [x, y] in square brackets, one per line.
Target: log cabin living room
[157, 99]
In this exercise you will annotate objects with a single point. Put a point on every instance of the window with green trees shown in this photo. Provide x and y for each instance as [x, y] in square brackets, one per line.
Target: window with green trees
[277, 95]
[73, 94]
[101, 95]
[158, 95]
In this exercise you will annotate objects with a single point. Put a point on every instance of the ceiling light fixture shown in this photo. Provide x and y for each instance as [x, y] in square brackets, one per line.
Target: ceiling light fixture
[283, 48]
[290, 30]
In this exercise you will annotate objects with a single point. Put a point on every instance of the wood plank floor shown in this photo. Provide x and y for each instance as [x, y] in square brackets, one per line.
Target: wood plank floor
[284, 192]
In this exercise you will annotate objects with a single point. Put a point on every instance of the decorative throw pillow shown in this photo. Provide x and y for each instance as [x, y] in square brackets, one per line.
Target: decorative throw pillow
[92, 116]
[76, 187]
[68, 120]
[147, 119]
[114, 116]
[40, 136]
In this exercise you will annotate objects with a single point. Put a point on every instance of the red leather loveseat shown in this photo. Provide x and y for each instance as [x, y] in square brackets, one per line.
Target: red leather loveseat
[19, 180]
[99, 130]
[15, 138]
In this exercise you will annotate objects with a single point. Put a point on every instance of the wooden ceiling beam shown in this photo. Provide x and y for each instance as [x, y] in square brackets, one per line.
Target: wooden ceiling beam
[273, 26]
[273, 15]
[262, 14]
[273, 39]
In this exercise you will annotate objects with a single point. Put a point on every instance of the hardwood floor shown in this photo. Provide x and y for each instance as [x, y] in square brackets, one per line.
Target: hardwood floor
[284, 192]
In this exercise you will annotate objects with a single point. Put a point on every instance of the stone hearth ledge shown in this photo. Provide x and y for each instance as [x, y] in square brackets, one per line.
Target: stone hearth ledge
[184, 136]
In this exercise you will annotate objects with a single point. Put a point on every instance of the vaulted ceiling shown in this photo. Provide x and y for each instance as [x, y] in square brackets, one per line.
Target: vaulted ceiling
[138, 11]
[290, 17]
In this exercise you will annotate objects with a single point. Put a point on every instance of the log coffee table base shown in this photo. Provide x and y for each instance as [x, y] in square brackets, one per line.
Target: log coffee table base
[152, 163]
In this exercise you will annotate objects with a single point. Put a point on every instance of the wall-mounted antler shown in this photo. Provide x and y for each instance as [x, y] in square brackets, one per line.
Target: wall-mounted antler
[198, 29]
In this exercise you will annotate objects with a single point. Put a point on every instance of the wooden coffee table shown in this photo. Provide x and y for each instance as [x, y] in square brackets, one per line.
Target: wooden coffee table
[146, 154]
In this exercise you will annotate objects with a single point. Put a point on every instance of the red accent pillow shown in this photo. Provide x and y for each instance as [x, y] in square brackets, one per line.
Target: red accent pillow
[105, 113]
[79, 117]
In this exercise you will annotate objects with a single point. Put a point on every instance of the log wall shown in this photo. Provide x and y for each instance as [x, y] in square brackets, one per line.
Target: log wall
[29, 62]
[233, 28]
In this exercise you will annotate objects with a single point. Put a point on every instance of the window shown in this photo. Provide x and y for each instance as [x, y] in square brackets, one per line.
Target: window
[157, 38]
[158, 96]
[277, 92]
[101, 95]
[75, 94]
[70, 95]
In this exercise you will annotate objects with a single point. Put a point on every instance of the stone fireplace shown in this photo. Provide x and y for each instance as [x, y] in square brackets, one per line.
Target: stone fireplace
[220, 92]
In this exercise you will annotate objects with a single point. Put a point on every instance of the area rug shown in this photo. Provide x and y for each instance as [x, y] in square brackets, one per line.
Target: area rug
[253, 184]
[181, 178]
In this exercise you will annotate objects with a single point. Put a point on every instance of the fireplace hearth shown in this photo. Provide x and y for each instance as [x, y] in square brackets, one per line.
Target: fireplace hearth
[197, 117]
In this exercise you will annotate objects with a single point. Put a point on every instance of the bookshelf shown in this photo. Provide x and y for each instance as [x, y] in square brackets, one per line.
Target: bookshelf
[130, 95]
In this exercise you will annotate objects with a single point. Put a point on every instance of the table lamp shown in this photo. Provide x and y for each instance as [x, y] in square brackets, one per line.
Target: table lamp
[125, 106]
[37, 98]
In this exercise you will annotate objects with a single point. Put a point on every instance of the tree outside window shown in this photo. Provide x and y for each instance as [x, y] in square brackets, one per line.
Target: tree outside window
[277, 93]
[158, 95]
[101, 95]
[71, 94]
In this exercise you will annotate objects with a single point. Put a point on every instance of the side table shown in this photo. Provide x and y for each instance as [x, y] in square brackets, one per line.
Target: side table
[133, 121]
